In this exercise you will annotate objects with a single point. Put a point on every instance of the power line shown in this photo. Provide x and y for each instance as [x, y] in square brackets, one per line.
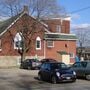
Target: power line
[79, 10]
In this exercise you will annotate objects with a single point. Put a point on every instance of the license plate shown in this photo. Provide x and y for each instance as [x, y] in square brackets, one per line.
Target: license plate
[68, 78]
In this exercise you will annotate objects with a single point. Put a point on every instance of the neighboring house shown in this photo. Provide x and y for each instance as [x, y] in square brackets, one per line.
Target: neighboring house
[84, 52]
[54, 40]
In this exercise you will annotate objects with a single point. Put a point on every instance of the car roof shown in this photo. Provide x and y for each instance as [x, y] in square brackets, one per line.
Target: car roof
[85, 61]
[53, 62]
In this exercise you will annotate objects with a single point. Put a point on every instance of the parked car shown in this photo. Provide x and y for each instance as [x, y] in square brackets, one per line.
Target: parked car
[56, 72]
[46, 60]
[82, 69]
[30, 64]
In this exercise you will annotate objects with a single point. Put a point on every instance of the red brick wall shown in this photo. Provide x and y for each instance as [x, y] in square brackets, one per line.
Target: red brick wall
[60, 46]
[8, 45]
[7, 38]
[65, 25]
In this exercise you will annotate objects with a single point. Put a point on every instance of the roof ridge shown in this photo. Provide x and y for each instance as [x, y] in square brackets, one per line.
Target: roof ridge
[6, 24]
[9, 22]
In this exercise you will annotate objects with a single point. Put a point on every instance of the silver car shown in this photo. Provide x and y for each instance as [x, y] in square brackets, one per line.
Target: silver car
[82, 69]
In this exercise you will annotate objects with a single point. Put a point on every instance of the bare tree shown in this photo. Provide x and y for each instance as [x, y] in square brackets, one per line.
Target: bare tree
[39, 9]
[83, 38]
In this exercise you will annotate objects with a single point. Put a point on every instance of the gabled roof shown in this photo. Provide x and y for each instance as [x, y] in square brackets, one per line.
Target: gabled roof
[59, 36]
[6, 24]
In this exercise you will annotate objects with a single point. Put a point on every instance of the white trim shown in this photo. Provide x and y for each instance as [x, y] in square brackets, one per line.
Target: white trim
[67, 18]
[60, 39]
[17, 20]
[38, 39]
[12, 24]
[47, 30]
[61, 34]
[58, 28]
[17, 38]
[44, 49]
[73, 55]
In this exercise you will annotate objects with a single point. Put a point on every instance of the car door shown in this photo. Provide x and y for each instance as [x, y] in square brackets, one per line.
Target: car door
[87, 68]
[77, 67]
[42, 70]
[83, 69]
[47, 71]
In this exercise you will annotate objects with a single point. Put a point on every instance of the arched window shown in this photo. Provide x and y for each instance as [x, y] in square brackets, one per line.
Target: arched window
[17, 41]
[38, 43]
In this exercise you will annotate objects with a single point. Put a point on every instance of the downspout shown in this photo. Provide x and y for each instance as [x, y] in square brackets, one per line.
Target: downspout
[44, 49]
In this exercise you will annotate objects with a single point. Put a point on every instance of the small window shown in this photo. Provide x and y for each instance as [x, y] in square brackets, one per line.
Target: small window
[71, 55]
[38, 43]
[58, 29]
[50, 44]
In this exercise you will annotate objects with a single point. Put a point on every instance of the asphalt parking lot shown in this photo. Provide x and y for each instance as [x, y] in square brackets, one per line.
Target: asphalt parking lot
[19, 79]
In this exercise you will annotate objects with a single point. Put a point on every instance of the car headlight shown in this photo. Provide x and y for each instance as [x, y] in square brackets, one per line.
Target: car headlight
[58, 74]
[74, 73]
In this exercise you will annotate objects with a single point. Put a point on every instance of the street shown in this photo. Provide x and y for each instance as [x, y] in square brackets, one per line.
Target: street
[19, 79]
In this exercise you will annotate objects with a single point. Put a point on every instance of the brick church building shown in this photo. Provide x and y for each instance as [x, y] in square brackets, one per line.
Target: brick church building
[53, 41]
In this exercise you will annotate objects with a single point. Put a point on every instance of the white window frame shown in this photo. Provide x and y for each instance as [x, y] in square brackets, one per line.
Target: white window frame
[38, 39]
[17, 39]
[49, 44]
[72, 55]
[58, 29]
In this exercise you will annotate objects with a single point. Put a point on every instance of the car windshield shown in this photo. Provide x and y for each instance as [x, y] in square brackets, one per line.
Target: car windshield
[59, 66]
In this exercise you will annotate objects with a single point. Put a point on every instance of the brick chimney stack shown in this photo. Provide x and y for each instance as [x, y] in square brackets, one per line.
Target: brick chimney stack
[25, 9]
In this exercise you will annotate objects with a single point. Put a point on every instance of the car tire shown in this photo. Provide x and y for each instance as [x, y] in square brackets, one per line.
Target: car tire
[39, 77]
[53, 80]
[74, 80]
[88, 77]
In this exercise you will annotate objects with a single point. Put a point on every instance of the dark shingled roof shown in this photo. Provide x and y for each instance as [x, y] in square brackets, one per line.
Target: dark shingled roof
[4, 24]
[60, 37]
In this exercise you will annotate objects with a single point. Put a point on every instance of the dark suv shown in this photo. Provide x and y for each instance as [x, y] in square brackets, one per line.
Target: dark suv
[82, 69]
[30, 64]
[56, 72]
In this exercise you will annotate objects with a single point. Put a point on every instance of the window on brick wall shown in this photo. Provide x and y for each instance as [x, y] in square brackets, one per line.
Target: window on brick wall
[17, 41]
[58, 29]
[50, 44]
[38, 43]
[71, 55]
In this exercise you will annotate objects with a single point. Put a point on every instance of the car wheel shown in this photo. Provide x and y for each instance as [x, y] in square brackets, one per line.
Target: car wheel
[53, 80]
[88, 77]
[39, 77]
[74, 80]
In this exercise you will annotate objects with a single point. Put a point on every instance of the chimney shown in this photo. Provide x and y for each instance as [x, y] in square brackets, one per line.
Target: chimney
[25, 9]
